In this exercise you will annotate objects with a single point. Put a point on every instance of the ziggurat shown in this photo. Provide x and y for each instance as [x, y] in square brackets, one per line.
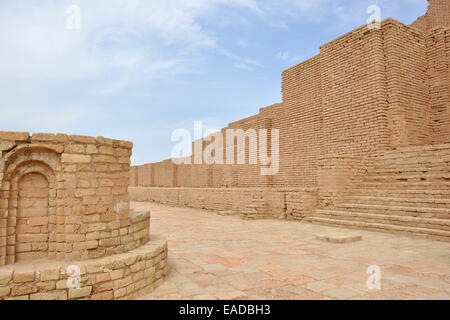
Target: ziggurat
[364, 138]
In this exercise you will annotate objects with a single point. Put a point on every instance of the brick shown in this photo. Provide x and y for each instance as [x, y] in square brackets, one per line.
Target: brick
[4, 291]
[43, 137]
[24, 276]
[14, 136]
[75, 158]
[5, 276]
[106, 295]
[46, 286]
[6, 145]
[118, 293]
[21, 290]
[57, 295]
[79, 293]
[51, 273]
[82, 139]
[102, 277]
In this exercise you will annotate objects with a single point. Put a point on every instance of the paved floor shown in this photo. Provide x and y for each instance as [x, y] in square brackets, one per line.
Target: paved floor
[224, 257]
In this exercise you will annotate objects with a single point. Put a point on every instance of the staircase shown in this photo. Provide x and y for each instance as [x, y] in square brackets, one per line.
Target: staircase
[407, 191]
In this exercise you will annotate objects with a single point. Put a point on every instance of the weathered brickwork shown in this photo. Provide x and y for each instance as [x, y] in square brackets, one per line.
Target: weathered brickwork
[438, 15]
[300, 120]
[65, 198]
[408, 86]
[438, 72]
[249, 202]
[367, 93]
[123, 276]
[406, 191]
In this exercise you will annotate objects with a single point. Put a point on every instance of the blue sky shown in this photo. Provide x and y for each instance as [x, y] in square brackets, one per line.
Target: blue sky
[140, 69]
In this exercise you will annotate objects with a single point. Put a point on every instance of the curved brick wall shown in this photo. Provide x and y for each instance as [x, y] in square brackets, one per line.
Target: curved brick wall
[65, 197]
[82, 210]
[123, 276]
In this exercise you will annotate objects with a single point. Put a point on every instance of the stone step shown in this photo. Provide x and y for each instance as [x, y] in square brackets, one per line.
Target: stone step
[403, 193]
[404, 185]
[411, 170]
[405, 177]
[416, 157]
[412, 201]
[432, 148]
[427, 233]
[413, 159]
[427, 223]
[423, 212]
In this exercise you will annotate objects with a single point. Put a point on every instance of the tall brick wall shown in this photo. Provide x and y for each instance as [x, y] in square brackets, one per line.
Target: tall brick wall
[354, 94]
[300, 120]
[438, 71]
[407, 85]
[438, 15]
[367, 92]
[165, 174]
[249, 175]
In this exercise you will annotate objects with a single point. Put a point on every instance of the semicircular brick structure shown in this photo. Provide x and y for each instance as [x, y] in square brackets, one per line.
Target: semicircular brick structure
[64, 203]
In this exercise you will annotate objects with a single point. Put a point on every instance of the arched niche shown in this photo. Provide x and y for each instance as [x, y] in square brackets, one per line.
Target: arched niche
[30, 216]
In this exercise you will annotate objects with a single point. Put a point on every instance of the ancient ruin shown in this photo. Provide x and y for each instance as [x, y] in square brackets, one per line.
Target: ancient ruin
[364, 139]
[364, 143]
[66, 230]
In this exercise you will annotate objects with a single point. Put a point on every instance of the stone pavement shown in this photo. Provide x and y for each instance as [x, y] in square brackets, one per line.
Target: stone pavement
[224, 257]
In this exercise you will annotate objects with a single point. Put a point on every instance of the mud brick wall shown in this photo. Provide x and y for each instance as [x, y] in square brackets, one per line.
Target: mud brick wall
[300, 202]
[338, 174]
[165, 174]
[167, 196]
[193, 175]
[438, 54]
[300, 121]
[224, 176]
[407, 85]
[354, 97]
[249, 202]
[249, 175]
[438, 15]
[144, 175]
[134, 176]
[125, 276]
[65, 197]
[367, 92]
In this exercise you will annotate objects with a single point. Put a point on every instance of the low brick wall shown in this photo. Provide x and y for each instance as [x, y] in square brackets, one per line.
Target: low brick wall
[249, 202]
[338, 174]
[122, 276]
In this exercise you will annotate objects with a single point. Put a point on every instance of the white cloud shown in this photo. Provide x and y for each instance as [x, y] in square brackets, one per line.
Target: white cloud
[126, 35]
[121, 44]
[241, 62]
